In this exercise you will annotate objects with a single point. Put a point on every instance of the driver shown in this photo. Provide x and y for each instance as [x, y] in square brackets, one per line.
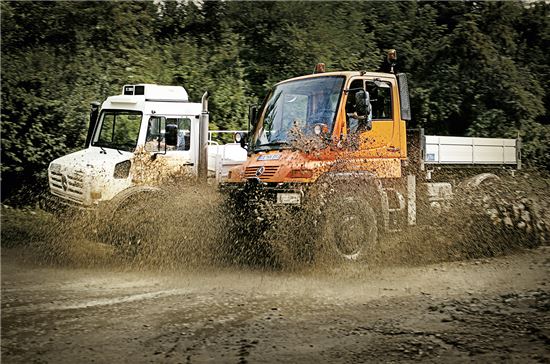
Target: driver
[357, 123]
[323, 110]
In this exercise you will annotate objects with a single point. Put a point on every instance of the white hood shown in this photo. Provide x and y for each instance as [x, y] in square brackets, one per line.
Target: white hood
[93, 157]
[76, 176]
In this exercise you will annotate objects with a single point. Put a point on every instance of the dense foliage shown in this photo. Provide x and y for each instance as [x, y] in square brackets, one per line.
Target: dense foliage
[475, 68]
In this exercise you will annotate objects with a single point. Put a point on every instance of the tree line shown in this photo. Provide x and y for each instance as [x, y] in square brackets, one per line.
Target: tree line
[475, 68]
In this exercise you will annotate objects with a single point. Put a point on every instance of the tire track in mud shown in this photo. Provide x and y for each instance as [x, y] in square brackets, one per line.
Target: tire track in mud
[79, 304]
[232, 316]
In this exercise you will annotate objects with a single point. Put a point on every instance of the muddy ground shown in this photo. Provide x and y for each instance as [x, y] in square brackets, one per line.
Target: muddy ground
[488, 310]
[442, 294]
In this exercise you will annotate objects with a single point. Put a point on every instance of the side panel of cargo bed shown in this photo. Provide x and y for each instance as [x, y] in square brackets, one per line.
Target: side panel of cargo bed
[446, 150]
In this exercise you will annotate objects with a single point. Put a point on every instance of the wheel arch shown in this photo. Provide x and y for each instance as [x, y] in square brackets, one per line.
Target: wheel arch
[367, 180]
[477, 180]
[117, 201]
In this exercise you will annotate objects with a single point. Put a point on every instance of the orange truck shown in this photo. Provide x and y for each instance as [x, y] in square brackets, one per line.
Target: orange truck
[336, 144]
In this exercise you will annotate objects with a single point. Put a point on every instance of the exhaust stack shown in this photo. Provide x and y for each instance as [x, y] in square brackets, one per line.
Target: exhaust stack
[202, 168]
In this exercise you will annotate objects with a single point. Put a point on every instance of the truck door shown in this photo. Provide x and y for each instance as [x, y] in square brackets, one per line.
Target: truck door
[170, 135]
[383, 139]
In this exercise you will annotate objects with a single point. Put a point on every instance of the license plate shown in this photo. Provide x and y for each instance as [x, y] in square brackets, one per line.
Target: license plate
[269, 157]
[288, 198]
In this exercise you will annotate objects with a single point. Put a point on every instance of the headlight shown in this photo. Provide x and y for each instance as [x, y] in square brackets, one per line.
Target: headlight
[54, 167]
[300, 173]
[122, 169]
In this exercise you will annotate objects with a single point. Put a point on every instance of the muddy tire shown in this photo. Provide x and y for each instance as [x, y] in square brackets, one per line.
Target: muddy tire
[349, 228]
[132, 223]
[497, 217]
[293, 239]
[246, 240]
[264, 235]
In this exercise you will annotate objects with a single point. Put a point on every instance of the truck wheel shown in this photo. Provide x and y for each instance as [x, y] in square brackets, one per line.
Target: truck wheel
[132, 220]
[500, 216]
[350, 229]
[244, 241]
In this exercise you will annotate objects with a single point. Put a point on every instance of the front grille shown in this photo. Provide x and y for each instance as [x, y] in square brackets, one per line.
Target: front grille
[269, 171]
[68, 185]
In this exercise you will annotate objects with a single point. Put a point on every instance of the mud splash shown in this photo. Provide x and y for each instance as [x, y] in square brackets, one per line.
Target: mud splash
[175, 229]
[191, 228]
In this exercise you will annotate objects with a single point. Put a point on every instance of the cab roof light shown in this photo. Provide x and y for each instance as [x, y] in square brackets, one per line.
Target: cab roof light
[319, 68]
[158, 93]
[392, 58]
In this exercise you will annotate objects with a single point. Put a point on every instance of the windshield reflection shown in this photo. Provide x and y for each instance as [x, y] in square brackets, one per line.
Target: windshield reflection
[298, 105]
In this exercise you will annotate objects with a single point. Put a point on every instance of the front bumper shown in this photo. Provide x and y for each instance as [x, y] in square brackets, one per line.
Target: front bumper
[257, 193]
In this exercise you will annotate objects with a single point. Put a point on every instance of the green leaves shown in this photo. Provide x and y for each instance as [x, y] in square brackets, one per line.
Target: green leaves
[475, 68]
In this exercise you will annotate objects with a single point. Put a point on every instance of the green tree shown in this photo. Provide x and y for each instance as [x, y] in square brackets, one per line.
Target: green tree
[475, 68]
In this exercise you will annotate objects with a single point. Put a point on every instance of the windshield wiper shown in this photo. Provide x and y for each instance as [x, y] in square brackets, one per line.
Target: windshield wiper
[100, 147]
[116, 146]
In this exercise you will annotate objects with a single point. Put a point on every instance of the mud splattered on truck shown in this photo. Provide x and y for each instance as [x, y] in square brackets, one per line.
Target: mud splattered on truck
[333, 174]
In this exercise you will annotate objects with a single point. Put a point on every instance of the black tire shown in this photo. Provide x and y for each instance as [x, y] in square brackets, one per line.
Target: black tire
[349, 228]
[132, 222]
[496, 217]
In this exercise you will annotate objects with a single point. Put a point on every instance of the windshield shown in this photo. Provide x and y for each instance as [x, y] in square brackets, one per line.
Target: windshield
[298, 105]
[118, 129]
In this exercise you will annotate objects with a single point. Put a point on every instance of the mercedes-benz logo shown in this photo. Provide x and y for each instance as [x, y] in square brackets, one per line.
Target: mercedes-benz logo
[259, 171]
[64, 182]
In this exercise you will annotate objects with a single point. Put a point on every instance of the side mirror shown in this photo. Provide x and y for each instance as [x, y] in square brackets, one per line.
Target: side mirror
[362, 103]
[252, 114]
[171, 135]
[241, 139]
[94, 113]
[404, 96]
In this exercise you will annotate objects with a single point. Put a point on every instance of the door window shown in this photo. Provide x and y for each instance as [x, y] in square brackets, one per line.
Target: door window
[380, 99]
[170, 133]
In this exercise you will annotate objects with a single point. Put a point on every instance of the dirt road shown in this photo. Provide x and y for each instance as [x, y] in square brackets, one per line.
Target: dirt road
[483, 311]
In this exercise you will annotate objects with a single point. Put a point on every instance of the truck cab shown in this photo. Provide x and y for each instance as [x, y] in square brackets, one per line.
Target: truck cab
[329, 112]
[144, 120]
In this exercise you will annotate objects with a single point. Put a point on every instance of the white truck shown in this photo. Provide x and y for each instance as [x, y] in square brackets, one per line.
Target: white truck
[146, 120]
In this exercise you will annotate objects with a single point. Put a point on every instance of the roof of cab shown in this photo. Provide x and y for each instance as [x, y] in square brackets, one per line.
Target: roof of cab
[346, 74]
